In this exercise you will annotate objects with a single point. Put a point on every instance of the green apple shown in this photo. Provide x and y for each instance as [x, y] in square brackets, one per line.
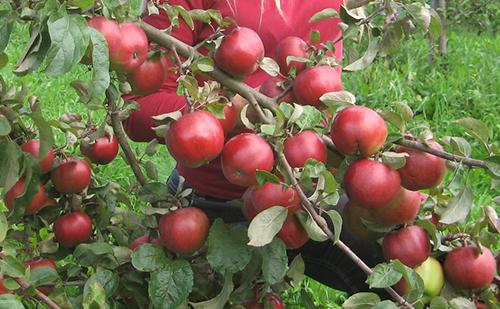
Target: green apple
[432, 274]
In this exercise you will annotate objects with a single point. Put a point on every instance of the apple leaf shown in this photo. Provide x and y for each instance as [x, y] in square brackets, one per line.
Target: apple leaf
[338, 99]
[97, 252]
[337, 223]
[10, 301]
[9, 163]
[383, 275]
[148, 258]
[4, 59]
[265, 176]
[297, 269]
[4, 226]
[11, 267]
[324, 14]
[106, 279]
[205, 64]
[460, 146]
[311, 227]
[493, 165]
[310, 118]
[274, 261]
[367, 58]
[221, 299]
[421, 14]
[404, 110]
[171, 285]
[411, 277]
[395, 119]
[439, 302]
[83, 4]
[363, 300]
[458, 207]
[227, 249]
[4, 126]
[269, 66]
[95, 296]
[385, 304]
[394, 160]
[461, 303]
[266, 225]
[477, 129]
[100, 65]
[45, 131]
[42, 276]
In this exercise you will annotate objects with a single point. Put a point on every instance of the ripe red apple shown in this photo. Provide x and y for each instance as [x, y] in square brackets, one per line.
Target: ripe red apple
[73, 229]
[133, 48]
[38, 201]
[33, 147]
[403, 209]
[314, 82]
[249, 210]
[272, 194]
[102, 151]
[184, 230]
[271, 88]
[240, 52]
[410, 245]
[422, 170]
[371, 184]
[145, 239]
[243, 155]
[292, 233]
[148, 77]
[111, 32]
[272, 301]
[468, 268]
[352, 216]
[195, 139]
[71, 176]
[303, 146]
[358, 130]
[291, 46]
[40, 262]
[229, 120]
[3, 289]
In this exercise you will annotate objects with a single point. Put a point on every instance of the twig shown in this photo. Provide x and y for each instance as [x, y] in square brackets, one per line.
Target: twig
[284, 93]
[452, 237]
[122, 139]
[199, 45]
[25, 285]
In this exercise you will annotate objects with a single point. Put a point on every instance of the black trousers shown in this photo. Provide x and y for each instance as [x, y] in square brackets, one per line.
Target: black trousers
[324, 261]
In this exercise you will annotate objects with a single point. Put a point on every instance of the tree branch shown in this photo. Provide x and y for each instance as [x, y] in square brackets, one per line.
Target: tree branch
[122, 139]
[25, 285]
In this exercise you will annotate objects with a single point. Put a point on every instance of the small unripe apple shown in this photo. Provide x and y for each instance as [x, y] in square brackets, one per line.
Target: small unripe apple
[371, 184]
[303, 146]
[410, 245]
[240, 52]
[468, 268]
[432, 274]
[358, 130]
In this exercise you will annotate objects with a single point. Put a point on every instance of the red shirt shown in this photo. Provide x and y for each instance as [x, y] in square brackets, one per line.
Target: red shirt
[272, 24]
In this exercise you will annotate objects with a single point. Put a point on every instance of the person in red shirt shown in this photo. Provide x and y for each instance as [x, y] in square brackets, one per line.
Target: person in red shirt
[273, 21]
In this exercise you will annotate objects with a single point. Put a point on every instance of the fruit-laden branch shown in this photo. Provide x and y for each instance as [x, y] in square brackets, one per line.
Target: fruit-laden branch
[25, 285]
[122, 139]
[252, 95]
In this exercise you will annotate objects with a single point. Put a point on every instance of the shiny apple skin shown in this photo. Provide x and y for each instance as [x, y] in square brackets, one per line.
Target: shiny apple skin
[73, 229]
[314, 82]
[33, 147]
[303, 146]
[467, 268]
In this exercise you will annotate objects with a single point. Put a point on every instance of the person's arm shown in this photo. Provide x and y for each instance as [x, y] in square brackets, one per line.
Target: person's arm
[138, 125]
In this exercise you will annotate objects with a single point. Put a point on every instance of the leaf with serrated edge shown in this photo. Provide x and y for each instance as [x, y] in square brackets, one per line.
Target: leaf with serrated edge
[266, 225]
[324, 14]
[458, 207]
[363, 300]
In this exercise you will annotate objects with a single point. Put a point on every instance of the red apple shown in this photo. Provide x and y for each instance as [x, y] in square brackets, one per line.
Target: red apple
[249, 210]
[33, 147]
[71, 176]
[243, 155]
[371, 184]
[468, 268]
[272, 301]
[148, 77]
[410, 245]
[272, 194]
[303, 146]
[184, 230]
[39, 263]
[422, 170]
[195, 139]
[73, 229]
[133, 48]
[240, 52]
[38, 201]
[358, 130]
[111, 32]
[292, 233]
[271, 88]
[229, 120]
[314, 82]
[102, 151]
[145, 239]
[291, 46]
[403, 209]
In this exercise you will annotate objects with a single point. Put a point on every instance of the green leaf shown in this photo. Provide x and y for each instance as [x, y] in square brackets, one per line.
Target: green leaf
[391, 39]
[385, 304]
[266, 225]
[404, 110]
[97, 252]
[108, 280]
[11, 267]
[31, 178]
[412, 278]
[46, 135]
[205, 64]
[324, 14]
[364, 300]
[297, 269]
[83, 4]
[9, 163]
[311, 227]
[433, 232]
[460, 146]
[394, 160]
[149, 257]
[100, 65]
[265, 176]
[6, 25]
[200, 15]
[315, 36]
[4, 59]
[310, 118]
[43, 276]
[439, 302]
[458, 207]
[384, 275]
[227, 249]
[186, 16]
[493, 165]
[221, 299]
[274, 261]
[69, 40]
[9, 301]
[337, 223]
[476, 128]
[34, 52]
[4, 126]
[338, 99]
[367, 58]
[269, 66]
[171, 285]
[461, 303]
[95, 298]
[4, 226]
[394, 118]
[421, 14]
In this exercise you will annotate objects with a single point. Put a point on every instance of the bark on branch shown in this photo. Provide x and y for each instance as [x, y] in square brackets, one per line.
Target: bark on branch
[25, 285]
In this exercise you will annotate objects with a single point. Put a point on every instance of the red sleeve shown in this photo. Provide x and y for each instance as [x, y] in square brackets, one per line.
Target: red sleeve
[138, 125]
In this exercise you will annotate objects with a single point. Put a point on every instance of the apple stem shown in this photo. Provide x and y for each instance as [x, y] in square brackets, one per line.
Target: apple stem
[284, 93]
[25, 285]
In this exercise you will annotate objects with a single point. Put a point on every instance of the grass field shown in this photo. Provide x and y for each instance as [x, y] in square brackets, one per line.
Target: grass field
[464, 84]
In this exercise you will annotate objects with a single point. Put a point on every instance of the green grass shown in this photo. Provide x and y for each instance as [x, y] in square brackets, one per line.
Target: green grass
[463, 84]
